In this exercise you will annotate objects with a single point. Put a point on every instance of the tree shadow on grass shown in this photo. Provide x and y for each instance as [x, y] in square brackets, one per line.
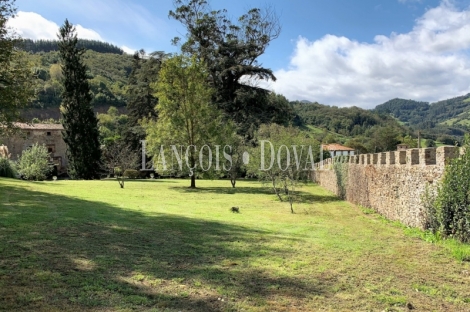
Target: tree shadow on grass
[308, 198]
[143, 180]
[302, 196]
[225, 190]
[67, 254]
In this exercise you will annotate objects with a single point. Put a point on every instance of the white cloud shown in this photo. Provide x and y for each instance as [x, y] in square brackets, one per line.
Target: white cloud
[33, 26]
[86, 33]
[128, 50]
[127, 14]
[431, 62]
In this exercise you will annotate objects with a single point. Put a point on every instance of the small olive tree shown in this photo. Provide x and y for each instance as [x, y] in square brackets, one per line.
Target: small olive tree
[235, 147]
[117, 158]
[284, 158]
[34, 164]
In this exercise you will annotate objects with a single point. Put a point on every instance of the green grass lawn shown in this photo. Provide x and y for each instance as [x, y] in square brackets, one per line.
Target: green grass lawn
[159, 246]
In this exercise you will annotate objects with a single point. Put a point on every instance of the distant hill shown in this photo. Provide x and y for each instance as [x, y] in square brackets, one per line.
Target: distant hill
[36, 46]
[347, 121]
[108, 71]
[445, 118]
[404, 110]
[363, 130]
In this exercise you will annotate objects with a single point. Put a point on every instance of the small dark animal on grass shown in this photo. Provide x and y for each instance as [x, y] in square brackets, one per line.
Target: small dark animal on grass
[235, 209]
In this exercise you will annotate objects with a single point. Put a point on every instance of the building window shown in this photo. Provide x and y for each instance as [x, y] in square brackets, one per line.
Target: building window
[51, 148]
[48, 133]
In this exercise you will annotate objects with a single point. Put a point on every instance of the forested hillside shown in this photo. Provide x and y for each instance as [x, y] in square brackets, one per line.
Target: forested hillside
[445, 120]
[348, 121]
[363, 130]
[108, 73]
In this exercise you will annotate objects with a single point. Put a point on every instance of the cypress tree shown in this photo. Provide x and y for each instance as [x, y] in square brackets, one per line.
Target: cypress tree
[79, 121]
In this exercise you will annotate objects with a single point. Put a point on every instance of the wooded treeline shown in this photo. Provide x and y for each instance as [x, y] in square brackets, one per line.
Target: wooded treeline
[41, 45]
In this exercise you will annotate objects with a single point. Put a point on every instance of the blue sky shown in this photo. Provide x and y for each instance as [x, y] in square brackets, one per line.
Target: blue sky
[336, 52]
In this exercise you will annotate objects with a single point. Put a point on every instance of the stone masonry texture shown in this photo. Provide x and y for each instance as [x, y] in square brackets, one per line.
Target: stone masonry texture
[391, 183]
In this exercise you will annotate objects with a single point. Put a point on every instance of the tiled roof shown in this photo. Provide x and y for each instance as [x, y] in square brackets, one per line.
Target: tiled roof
[38, 126]
[336, 147]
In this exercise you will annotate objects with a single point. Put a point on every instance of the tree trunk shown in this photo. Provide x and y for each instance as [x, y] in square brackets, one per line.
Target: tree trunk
[233, 181]
[275, 188]
[193, 177]
[193, 181]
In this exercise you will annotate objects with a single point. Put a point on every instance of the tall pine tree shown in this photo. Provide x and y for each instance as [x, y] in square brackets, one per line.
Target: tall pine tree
[79, 121]
[141, 99]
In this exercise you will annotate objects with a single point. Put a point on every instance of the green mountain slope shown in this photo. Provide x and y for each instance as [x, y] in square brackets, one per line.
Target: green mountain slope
[363, 130]
[441, 120]
[108, 73]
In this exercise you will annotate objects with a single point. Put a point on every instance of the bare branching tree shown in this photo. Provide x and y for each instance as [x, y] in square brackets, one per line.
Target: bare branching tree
[117, 159]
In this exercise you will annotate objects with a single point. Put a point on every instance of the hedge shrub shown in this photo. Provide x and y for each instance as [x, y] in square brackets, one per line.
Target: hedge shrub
[33, 163]
[452, 204]
[7, 168]
[131, 174]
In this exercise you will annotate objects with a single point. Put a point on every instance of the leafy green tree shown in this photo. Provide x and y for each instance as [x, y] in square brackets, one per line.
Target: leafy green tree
[112, 126]
[33, 163]
[357, 144]
[230, 52]
[383, 139]
[80, 124]
[16, 76]
[330, 138]
[186, 116]
[430, 143]
[408, 140]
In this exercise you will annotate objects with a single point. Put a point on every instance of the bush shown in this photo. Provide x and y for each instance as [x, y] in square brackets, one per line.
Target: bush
[34, 163]
[452, 205]
[7, 168]
[131, 174]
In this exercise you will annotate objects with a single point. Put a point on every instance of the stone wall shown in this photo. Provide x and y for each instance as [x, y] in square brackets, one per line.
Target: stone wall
[391, 183]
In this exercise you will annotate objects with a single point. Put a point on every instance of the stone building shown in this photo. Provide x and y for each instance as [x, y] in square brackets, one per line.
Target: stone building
[48, 134]
[338, 150]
